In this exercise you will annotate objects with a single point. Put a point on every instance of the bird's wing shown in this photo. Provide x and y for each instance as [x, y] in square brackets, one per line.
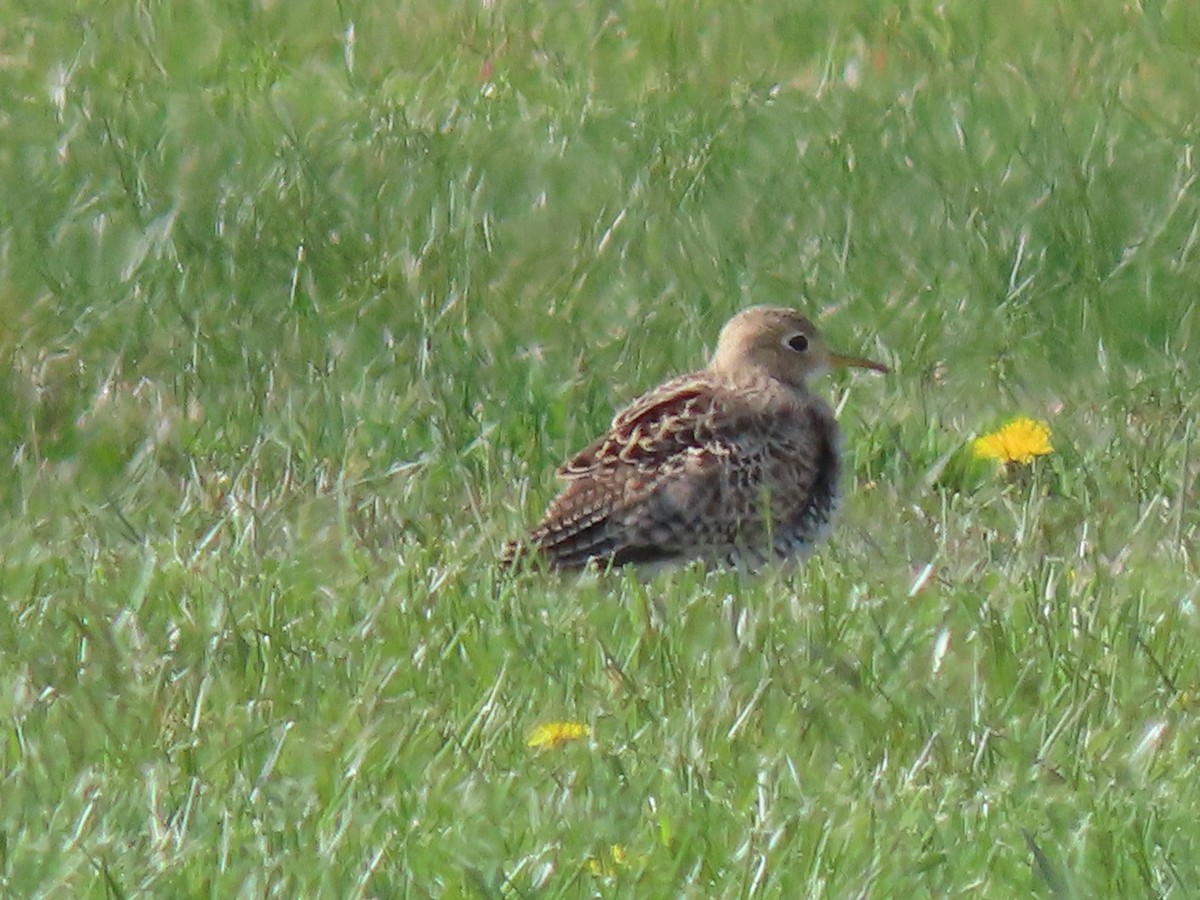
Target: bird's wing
[678, 414]
[636, 494]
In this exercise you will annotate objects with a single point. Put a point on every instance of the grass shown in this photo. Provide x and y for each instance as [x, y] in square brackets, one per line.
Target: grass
[302, 303]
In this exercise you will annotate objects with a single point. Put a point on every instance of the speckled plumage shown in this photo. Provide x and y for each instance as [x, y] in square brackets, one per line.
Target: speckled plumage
[736, 464]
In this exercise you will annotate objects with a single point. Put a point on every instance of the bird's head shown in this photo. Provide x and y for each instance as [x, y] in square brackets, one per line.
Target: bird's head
[780, 343]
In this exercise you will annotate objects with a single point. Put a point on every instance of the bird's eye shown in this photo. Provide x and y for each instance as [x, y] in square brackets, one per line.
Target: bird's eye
[798, 342]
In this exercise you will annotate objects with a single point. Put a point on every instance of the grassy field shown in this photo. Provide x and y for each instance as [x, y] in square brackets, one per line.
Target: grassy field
[301, 303]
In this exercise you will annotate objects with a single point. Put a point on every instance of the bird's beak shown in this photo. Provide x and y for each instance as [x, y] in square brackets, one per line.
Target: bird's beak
[855, 362]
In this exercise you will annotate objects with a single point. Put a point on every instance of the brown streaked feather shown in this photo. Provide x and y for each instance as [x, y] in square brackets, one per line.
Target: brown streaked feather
[620, 490]
[650, 428]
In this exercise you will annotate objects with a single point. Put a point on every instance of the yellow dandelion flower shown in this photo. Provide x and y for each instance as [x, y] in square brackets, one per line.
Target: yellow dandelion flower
[1019, 441]
[553, 735]
[618, 857]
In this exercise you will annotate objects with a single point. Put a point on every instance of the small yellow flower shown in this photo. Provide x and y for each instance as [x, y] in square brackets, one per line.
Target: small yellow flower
[618, 857]
[1018, 441]
[553, 735]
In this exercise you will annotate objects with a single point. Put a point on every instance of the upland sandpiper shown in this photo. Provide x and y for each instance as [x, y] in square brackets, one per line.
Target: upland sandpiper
[737, 464]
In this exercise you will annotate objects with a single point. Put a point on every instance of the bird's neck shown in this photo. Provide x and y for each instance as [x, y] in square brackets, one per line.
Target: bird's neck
[758, 381]
[748, 375]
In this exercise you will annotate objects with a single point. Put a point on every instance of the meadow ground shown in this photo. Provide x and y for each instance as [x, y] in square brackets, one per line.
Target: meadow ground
[300, 304]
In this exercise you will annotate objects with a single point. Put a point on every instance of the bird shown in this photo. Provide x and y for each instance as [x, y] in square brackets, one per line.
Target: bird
[736, 465]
